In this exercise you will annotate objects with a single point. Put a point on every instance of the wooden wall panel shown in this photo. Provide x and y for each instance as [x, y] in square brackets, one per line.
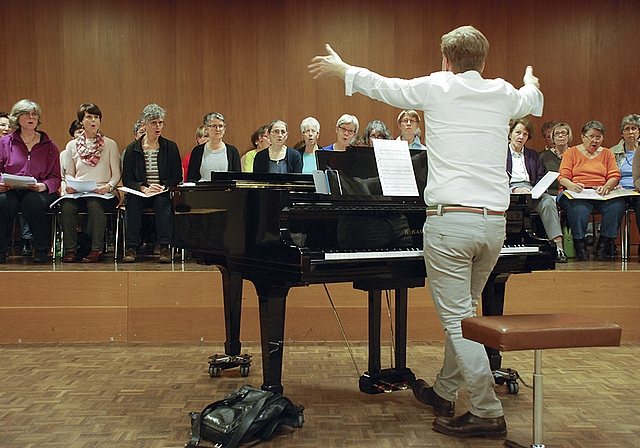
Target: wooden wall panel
[247, 60]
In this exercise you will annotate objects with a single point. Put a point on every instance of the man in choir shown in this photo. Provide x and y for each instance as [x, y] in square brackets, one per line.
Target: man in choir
[151, 164]
[465, 142]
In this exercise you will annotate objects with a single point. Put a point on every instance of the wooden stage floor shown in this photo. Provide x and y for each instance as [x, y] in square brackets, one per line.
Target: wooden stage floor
[138, 395]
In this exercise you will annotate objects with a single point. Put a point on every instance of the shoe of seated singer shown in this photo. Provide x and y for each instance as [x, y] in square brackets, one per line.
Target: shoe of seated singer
[468, 425]
[130, 256]
[165, 256]
[426, 395]
[561, 257]
[41, 256]
[93, 257]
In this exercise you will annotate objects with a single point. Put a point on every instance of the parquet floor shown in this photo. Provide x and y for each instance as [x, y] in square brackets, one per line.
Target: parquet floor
[139, 395]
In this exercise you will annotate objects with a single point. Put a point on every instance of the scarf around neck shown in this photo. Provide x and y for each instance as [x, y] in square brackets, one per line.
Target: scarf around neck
[90, 155]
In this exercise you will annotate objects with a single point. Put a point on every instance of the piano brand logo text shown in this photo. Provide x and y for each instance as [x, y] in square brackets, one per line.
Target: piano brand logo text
[413, 231]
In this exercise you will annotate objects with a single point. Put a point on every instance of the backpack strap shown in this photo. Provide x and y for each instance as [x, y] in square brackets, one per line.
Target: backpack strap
[246, 422]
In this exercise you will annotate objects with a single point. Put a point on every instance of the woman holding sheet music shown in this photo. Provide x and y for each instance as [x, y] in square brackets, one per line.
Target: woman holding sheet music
[90, 157]
[591, 166]
[28, 152]
[525, 170]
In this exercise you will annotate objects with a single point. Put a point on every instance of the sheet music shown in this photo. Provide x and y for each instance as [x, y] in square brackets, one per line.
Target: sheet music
[543, 184]
[17, 181]
[395, 168]
[81, 186]
[140, 193]
[590, 193]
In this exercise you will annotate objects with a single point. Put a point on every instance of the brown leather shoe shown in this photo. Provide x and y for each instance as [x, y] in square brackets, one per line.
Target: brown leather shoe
[93, 257]
[468, 425]
[425, 394]
[165, 256]
[69, 257]
[129, 256]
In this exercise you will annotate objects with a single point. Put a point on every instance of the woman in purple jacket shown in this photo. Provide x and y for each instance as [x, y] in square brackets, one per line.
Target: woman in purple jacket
[28, 152]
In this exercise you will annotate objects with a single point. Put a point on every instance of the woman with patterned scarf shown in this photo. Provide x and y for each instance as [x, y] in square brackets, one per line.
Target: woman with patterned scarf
[91, 156]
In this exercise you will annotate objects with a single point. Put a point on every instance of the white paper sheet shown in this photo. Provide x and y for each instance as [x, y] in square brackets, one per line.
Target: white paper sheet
[543, 184]
[81, 186]
[395, 168]
[17, 181]
[139, 193]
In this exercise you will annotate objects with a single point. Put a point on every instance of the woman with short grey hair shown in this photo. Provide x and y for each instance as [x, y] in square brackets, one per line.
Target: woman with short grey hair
[310, 128]
[28, 152]
[151, 164]
[629, 167]
[346, 133]
[214, 155]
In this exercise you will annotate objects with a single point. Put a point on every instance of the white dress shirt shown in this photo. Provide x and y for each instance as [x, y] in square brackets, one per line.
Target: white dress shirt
[466, 127]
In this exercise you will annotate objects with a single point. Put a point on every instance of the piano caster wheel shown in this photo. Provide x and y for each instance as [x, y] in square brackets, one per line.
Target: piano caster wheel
[214, 371]
[508, 377]
[244, 371]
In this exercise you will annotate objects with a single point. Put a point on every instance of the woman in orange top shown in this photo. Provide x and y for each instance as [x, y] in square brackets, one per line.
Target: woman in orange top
[590, 166]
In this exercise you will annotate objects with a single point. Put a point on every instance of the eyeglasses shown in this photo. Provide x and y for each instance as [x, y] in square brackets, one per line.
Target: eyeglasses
[310, 132]
[596, 138]
[630, 129]
[561, 134]
[219, 127]
[408, 121]
[346, 131]
[31, 114]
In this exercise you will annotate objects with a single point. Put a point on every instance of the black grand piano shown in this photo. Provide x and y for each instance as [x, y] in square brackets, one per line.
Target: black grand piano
[278, 233]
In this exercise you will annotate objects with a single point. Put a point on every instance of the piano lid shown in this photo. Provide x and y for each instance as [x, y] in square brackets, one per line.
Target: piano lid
[353, 174]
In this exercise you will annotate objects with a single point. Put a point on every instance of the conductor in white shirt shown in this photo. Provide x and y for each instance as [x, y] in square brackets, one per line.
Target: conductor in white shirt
[466, 127]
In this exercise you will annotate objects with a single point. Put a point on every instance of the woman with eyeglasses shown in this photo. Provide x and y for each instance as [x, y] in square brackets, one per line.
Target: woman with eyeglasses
[214, 155]
[591, 166]
[551, 157]
[310, 128]
[278, 158]
[376, 129]
[409, 125]
[346, 133]
[28, 152]
[625, 152]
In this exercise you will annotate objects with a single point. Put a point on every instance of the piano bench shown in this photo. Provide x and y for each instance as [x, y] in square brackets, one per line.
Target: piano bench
[538, 332]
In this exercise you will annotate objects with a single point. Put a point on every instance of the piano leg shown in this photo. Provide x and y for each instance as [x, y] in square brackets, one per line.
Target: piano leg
[493, 305]
[232, 290]
[272, 303]
[376, 379]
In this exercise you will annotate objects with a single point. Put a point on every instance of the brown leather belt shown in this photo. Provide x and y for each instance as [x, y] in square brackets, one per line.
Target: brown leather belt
[440, 209]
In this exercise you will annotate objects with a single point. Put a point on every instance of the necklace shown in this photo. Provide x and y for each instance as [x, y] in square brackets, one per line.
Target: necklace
[33, 139]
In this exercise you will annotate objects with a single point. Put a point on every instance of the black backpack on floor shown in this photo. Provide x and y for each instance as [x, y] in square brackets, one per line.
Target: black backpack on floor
[248, 412]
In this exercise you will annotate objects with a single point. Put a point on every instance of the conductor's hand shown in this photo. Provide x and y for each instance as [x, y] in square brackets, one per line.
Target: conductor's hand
[328, 65]
[529, 79]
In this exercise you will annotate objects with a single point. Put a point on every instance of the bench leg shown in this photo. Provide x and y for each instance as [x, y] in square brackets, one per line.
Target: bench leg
[537, 406]
[537, 400]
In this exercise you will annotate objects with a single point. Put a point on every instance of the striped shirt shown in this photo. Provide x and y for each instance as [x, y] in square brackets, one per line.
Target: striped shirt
[151, 162]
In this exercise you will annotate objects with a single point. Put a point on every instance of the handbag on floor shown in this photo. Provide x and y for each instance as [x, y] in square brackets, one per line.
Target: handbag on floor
[246, 413]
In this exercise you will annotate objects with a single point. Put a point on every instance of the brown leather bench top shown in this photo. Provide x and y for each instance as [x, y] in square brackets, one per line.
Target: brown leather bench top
[540, 331]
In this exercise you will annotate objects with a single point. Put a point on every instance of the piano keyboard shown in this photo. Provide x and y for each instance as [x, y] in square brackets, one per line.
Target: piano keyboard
[414, 253]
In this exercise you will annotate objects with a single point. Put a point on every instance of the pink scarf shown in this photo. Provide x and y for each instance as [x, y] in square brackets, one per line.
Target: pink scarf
[90, 156]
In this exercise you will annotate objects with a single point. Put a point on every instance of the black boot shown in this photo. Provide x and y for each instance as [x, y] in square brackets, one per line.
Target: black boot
[605, 249]
[581, 249]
